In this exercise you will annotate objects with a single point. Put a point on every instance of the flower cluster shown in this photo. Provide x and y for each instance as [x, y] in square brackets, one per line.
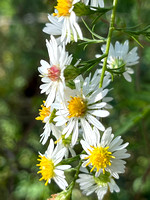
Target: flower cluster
[73, 115]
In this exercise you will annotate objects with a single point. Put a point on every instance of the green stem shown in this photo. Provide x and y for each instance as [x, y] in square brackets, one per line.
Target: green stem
[71, 186]
[111, 28]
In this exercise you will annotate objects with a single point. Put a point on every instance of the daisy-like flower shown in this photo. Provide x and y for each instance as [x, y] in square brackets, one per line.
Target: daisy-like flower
[66, 15]
[95, 3]
[83, 105]
[120, 58]
[105, 154]
[46, 115]
[53, 73]
[49, 166]
[100, 185]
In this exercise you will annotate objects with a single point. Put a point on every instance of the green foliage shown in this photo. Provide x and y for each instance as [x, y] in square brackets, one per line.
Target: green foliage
[71, 72]
[82, 10]
[134, 34]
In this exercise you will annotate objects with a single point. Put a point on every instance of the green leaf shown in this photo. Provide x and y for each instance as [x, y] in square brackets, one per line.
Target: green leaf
[90, 41]
[71, 72]
[82, 10]
[136, 40]
[136, 33]
[93, 33]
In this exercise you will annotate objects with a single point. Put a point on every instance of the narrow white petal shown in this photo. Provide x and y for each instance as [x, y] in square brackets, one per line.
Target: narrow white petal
[75, 134]
[99, 113]
[50, 148]
[127, 77]
[95, 122]
[61, 182]
[63, 167]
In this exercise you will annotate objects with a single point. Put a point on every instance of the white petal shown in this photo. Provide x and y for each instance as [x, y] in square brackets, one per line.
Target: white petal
[50, 148]
[99, 113]
[95, 122]
[127, 77]
[63, 167]
[75, 134]
[61, 182]
[87, 130]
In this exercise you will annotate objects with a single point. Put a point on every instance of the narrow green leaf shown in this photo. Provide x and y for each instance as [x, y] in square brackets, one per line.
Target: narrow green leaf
[136, 40]
[93, 33]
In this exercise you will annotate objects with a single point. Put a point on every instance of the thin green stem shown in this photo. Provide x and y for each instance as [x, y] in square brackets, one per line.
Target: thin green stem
[111, 28]
[71, 186]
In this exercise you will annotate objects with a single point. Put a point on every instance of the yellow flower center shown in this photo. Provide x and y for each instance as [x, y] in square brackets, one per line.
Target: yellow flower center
[63, 7]
[46, 168]
[77, 107]
[44, 112]
[99, 158]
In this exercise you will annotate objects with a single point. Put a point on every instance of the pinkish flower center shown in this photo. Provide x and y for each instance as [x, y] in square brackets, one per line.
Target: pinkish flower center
[54, 73]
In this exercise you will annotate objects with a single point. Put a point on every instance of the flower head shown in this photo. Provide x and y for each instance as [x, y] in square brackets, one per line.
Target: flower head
[52, 73]
[46, 115]
[100, 185]
[119, 59]
[43, 113]
[64, 13]
[105, 154]
[49, 167]
[84, 106]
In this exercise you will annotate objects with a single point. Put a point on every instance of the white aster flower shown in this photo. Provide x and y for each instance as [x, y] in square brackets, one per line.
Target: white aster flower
[49, 166]
[46, 115]
[120, 56]
[82, 106]
[100, 185]
[53, 73]
[66, 15]
[105, 154]
[95, 3]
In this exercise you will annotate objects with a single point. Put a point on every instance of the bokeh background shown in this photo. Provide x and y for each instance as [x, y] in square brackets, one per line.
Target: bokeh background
[22, 46]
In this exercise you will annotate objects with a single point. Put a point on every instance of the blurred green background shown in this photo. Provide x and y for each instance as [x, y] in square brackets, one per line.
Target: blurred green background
[22, 46]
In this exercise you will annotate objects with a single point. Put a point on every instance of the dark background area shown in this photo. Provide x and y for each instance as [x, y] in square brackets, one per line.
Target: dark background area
[22, 46]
